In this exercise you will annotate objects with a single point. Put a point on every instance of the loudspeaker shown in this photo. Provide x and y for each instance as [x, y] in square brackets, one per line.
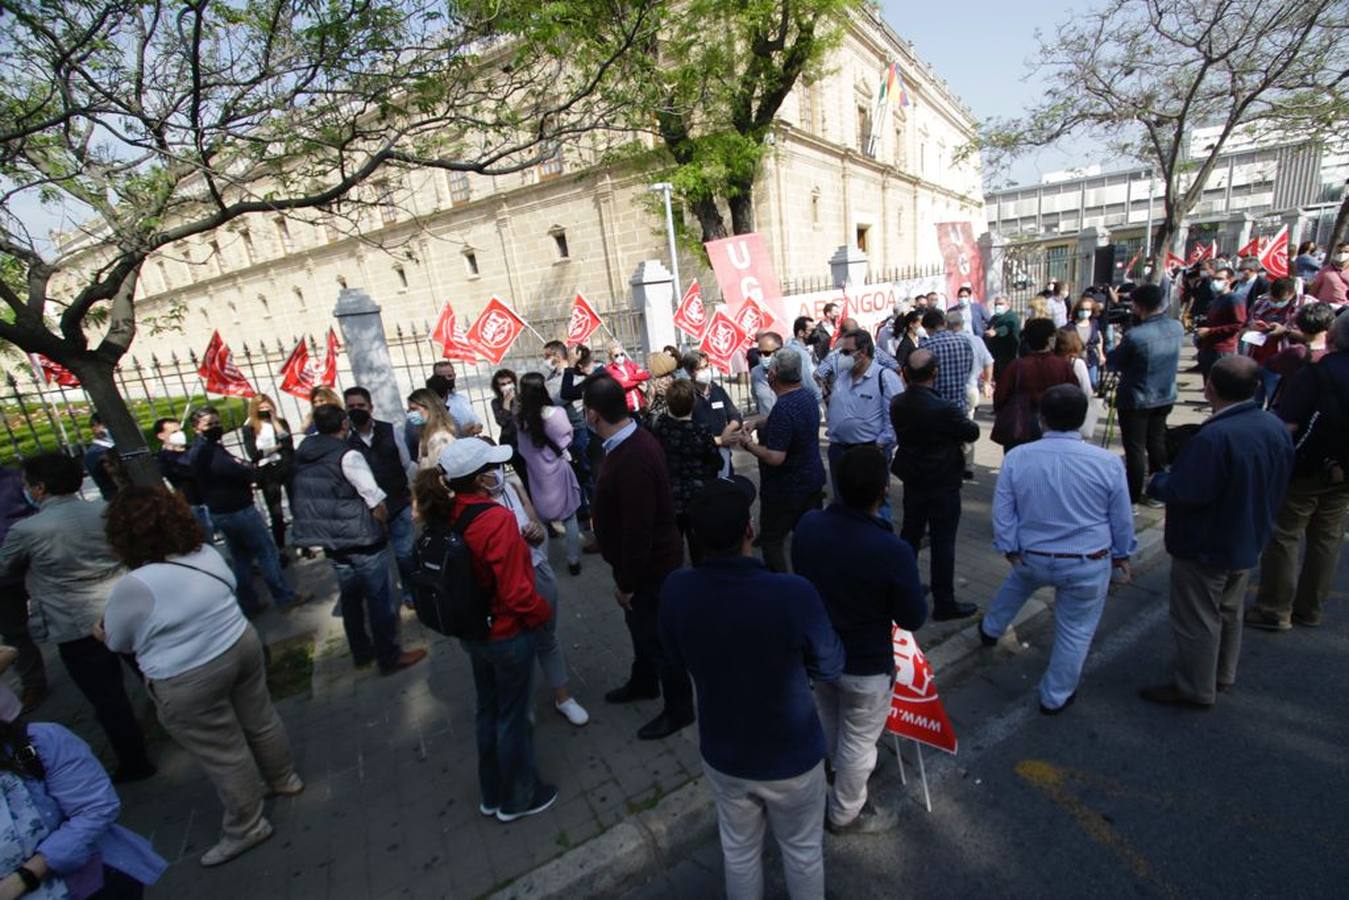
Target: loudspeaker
[1103, 265]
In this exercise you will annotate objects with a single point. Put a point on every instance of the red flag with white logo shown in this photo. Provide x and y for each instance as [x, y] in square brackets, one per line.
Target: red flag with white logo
[450, 335]
[916, 712]
[584, 321]
[720, 341]
[1173, 261]
[691, 316]
[1275, 257]
[844, 315]
[297, 375]
[330, 360]
[753, 318]
[54, 372]
[1252, 247]
[494, 331]
[220, 373]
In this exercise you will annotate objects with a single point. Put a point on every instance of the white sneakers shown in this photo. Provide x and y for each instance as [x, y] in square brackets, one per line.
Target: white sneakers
[573, 712]
[292, 786]
[228, 848]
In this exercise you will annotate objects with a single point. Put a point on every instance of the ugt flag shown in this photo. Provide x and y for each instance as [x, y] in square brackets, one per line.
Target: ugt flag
[220, 373]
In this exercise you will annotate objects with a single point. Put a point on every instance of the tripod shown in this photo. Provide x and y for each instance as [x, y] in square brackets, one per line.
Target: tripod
[1109, 384]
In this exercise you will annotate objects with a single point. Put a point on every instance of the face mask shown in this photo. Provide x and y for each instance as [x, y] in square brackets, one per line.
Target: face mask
[764, 358]
[1342, 258]
[416, 417]
[265, 415]
[999, 308]
[1219, 285]
[1280, 304]
[963, 301]
[846, 363]
[497, 484]
[620, 358]
[177, 439]
[703, 376]
[28, 498]
[214, 435]
[1084, 314]
[921, 332]
[359, 417]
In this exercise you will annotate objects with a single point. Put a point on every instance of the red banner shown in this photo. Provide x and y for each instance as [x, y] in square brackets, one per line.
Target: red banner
[449, 335]
[494, 331]
[1173, 261]
[220, 373]
[916, 712]
[691, 316]
[1252, 247]
[297, 375]
[584, 321]
[55, 372]
[722, 339]
[745, 271]
[1275, 257]
[752, 318]
[330, 360]
[960, 251]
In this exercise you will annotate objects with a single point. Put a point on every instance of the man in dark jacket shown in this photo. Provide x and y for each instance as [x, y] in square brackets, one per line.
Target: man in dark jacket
[338, 506]
[1221, 496]
[14, 506]
[869, 580]
[635, 526]
[1226, 320]
[173, 466]
[390, 462]
[929, 432]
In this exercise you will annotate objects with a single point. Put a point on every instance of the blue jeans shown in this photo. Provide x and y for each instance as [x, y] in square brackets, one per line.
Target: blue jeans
[401, 535]
[203, 517]
[580, 464]
[836, 452]
[1269, 381]
[1079, 599]
[502, 675]
[365, 589]
[248, 539]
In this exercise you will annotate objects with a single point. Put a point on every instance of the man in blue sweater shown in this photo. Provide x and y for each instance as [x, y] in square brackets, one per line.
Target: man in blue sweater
[1221, 495]
[869, 579]
[760, 736]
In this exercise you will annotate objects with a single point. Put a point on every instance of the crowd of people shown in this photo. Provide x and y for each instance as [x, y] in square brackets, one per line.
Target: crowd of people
[638, 463]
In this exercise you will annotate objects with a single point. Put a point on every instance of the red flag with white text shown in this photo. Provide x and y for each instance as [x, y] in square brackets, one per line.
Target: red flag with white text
[916, 712]
[753, 318]
[494, 331]
[297, 375]
[1275, 257]
[450, 335]
[54, 372]
[720, 341]
[220, 373]
[691, 316]
[330, 360]
[744, 271]
[584, 321]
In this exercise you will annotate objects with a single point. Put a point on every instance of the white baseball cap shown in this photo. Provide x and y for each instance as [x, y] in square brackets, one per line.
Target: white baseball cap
[467, 455]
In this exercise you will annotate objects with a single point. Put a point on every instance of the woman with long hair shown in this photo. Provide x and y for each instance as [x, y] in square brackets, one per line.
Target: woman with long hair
[203, 662]
[1086, 321]
[269, 444]
[1069, 346]
[505, 406]
[321, 395]
[545, 435]
[427, 411]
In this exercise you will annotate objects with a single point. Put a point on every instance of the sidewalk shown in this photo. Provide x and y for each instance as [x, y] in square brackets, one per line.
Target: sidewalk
[390, 808]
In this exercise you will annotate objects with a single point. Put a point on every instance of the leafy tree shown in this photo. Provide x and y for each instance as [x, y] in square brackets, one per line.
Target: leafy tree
[160, 121]
[1137, 77]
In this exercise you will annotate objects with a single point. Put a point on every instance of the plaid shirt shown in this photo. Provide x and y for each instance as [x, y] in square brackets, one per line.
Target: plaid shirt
[955, 360]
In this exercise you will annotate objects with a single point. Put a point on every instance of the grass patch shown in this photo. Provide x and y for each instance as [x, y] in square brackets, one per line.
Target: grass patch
[643, 805]
[562, 840]
[290, 667]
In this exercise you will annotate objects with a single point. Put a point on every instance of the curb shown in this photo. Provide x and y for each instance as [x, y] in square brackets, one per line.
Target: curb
[687, 818]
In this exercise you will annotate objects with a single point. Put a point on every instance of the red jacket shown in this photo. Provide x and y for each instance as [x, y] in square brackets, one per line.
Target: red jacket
[631, 376]
[502, 565]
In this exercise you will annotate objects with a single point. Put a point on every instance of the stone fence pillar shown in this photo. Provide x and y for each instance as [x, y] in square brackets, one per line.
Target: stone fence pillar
[362, 329]
[991, 252]
[653, 294]
[848, 265]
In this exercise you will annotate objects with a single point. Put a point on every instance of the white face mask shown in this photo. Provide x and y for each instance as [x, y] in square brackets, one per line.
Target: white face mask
[498, 483]
[1342, 258]
[964, 301]
[1084, 314]
[620, 358]
[1220, 284]
[999, 308]
[703, 376]
[178, 439]
[921, 332]
[845, 363]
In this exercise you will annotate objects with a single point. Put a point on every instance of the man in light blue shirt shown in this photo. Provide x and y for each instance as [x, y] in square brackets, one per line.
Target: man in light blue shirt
[859, 404]
[1062, 517]
[460, 410]
[770, 342]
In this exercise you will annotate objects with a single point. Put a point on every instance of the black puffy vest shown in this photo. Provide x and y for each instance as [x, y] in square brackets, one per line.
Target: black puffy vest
[382, 455]
[328, 511]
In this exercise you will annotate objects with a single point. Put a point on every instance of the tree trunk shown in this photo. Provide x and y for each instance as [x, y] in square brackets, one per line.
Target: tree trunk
[96, 377]
[709, 217]
[1339, 232]
[742, 211]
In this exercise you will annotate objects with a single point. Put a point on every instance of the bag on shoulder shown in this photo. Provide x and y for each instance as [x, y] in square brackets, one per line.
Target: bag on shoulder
[445, 593]
[1322, 445]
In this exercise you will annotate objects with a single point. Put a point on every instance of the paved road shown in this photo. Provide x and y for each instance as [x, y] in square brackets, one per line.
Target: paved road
[1117, 797]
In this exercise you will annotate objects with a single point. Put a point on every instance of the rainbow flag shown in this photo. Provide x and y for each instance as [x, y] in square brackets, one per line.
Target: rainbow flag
[892, 87]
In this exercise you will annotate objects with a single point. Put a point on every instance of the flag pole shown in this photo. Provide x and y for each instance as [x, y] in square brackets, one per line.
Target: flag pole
[190, 397]
[922, 770]
[899, 757]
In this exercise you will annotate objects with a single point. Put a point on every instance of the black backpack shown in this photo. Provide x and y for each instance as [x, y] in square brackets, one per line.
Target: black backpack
[1322, 446]
[447, 596]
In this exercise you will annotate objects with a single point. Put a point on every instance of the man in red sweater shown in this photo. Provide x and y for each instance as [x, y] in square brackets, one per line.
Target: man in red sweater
[1224, 322]
[635, 525]
[503, 663]
[1032, 375]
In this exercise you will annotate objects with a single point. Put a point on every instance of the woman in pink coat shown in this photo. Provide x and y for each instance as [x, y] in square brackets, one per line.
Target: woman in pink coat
[545, 433]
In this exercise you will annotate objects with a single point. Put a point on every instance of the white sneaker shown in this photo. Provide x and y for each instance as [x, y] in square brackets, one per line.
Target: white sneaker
[228, 848]
[573, 712]
[290, 787]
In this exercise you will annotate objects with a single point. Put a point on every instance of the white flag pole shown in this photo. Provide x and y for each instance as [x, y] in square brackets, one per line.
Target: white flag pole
[922, 769]
[899, 758]
[190, 397]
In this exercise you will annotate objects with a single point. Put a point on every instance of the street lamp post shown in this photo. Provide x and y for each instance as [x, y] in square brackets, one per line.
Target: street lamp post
[666, 190]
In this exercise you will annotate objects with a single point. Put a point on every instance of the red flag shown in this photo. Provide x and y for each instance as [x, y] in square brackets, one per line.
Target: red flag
[752, 317]
[1213, 250]
[330, 360]
[843, 314]
[1173, 261]
[916, 712]
[55, 372]
[584, 321]
[494, 331]
[722, 338]
[691, 316]
[220, 373]
[449, 334]
[1275, 256]
[1130, 266]
[297, 375]
[1252, 247]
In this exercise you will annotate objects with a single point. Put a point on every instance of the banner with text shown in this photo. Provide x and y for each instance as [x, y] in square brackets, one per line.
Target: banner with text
[916, 712]
[960, 251]
[744, 271]
[869, 304]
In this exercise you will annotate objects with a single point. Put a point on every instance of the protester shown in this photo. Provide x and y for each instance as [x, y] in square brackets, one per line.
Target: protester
[14, 508]
[1250, 284]
[891, 331]
[339, 507]
[1316, 409]
[1086, 321]
[1269, 323]
[712, 406]
[629, 374]
[427, 412]
[1222, 494]
[320, 395]
[545, 434]
[1331, 284]
[955, 358]
[390, 463]
[1002, 336]
[859, 405]
[1068, 346]
[1016, 398]
[269, 446]
[929, 433]
[912, 336]
[972, 311]
[1307, 262]
[1225, 320]
[203, 663]
[662, 367]
[69, 569]
[174, 468]
[503, 662]
[791, 476]
[758, 730]
[800, 343]
[98, 462]
[505, 407]
[58, 817]
[769, 342]
[691, 456]
[442, 383]
[823, 337]
[1061, 516]
[585, 449]
[635, 525]
[980, 381]
[1056, 301]
[1307, 343]
[1146, 359]
[226, 485]
[869, 580]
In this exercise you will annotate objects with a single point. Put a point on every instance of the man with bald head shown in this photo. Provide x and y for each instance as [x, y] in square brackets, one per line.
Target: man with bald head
[1222, 495]
[929, 432]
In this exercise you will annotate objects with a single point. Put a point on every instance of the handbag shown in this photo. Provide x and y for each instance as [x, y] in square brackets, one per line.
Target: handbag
[1018, 422]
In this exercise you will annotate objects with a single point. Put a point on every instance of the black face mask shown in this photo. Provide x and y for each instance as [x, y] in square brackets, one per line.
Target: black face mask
[359, 417]
[265, 415]
[214, 435]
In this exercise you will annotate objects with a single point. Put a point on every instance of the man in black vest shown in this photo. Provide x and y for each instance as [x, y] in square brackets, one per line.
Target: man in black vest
[337, 505]
[389, 461]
